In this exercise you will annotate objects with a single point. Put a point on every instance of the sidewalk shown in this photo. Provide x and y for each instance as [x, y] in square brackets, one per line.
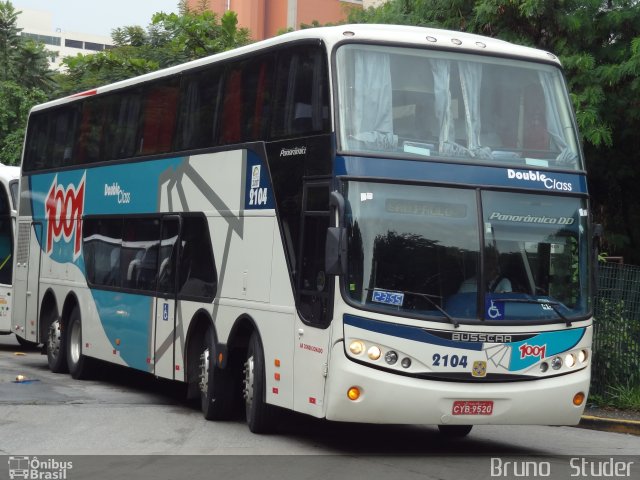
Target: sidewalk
[611, 420]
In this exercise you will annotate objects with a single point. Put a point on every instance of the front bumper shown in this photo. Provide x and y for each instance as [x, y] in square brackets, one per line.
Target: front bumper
[398, 399]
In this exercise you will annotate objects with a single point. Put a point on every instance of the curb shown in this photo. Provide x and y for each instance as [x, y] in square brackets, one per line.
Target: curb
[631, 427]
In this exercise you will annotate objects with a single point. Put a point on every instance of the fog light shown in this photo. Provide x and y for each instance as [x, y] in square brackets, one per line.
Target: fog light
[544, 366]
[374, 353]
[582, 356]
[391, 357]
[570, 360]
[353, 393]
[556, 363]
[578, 399]
[406, 362]
[356, 347]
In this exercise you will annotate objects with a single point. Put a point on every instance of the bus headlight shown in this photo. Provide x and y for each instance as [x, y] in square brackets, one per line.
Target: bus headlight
[556, 363]
[582, 356]
[374, 352]
[356, 347]
[570, 360]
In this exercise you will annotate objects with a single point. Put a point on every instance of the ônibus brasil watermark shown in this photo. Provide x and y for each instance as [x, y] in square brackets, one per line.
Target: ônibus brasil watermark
[33, 468]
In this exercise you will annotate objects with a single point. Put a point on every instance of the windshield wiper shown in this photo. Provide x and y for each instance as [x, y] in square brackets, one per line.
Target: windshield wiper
[428, 298]
[551, 303]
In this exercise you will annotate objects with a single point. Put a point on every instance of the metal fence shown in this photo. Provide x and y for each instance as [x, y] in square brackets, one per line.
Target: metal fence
[616, 335]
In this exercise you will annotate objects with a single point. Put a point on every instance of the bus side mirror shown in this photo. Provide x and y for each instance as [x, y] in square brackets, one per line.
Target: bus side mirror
[336, 251]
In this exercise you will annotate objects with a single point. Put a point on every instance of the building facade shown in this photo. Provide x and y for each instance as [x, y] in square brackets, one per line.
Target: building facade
[265, 18]
[38, 25]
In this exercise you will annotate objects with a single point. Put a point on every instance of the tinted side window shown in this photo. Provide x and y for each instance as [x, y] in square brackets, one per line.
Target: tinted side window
[197, 271]
[121, 127]
[101, 247]
[139, 254]
[301, 105]
[159, 117]
[246, 101]
[51, 137]
[91, 131]
[198, 106]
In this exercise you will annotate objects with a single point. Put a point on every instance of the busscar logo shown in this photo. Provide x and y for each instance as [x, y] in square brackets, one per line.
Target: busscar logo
[64, 208]
[38, 469]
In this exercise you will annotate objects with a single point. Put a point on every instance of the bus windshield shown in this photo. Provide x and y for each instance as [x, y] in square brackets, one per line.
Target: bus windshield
[457, 107]
[416, 251]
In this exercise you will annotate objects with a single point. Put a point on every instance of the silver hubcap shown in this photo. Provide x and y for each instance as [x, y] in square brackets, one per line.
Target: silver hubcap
[204, 371]
[248, 382]
[53, 341]
[75, 339]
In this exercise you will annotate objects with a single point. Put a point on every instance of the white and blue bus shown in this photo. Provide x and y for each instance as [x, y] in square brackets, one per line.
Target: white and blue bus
[9, 178]
[361, 223]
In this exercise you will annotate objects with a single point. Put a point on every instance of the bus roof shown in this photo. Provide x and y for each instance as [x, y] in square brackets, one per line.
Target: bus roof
[390, 34]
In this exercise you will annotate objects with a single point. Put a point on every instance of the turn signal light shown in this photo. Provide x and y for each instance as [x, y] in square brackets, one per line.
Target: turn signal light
[353, 393]
[578, 399]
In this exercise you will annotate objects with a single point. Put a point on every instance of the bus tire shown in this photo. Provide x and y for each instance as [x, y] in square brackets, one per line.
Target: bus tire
[260, 415]
[78, 363]
[56, 347]
[216, 384]
[455, 431]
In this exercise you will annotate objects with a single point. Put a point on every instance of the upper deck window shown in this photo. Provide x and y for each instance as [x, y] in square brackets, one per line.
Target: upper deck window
[459, 107]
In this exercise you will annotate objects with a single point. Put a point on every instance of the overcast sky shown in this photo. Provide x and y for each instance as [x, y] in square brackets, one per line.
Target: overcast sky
[98, 16]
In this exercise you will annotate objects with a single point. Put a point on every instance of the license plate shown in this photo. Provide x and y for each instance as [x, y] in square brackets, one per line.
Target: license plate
[472, 407]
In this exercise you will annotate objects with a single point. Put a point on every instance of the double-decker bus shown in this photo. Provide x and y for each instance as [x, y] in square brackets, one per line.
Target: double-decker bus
[360, 223]
[9, 177]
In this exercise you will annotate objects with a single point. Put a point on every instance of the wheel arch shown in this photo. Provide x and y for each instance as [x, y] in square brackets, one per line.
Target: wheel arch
[198, 325]
[48, 311]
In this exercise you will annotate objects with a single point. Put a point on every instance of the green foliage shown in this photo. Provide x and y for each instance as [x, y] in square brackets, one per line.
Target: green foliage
[624, 397]
[25, 80]
[616, 348]
[598, 43]
[169, 40]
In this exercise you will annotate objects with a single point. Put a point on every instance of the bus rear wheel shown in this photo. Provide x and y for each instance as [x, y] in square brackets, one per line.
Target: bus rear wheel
[56, 347]
[455, 431]
[216, 384]
[260, 415]
[78, 363]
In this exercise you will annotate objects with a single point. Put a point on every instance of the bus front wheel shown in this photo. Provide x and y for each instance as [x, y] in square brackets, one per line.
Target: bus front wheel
[260, 415]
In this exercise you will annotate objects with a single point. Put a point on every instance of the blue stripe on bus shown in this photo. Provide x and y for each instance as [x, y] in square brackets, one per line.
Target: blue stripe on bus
[404, 331]
[127, 318]
[459, 174]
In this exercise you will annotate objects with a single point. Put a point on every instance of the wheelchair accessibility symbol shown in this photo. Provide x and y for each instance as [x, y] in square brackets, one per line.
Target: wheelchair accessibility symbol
[493, 311]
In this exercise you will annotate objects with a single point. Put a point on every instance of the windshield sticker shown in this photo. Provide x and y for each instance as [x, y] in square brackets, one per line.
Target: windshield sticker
[366, 196]
[504, 217]
[389, 298]
[494, 309]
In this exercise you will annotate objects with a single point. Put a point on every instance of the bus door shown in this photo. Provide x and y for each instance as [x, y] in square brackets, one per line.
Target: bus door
[26, 275]
[166, 298]
[312, 335]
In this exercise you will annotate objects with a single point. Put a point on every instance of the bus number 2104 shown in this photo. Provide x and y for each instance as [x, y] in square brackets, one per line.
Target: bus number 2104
[449, 360]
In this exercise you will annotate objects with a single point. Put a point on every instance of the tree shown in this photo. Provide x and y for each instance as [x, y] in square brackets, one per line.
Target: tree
[598, 42]
[25, 81]
[169, 40]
